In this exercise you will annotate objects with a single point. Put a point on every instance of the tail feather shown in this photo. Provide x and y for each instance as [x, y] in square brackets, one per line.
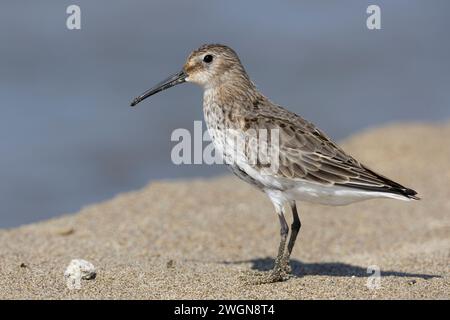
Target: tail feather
[388, 186]
[411, 194]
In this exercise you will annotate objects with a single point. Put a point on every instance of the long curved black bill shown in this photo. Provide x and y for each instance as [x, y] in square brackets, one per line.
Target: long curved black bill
[171, 81]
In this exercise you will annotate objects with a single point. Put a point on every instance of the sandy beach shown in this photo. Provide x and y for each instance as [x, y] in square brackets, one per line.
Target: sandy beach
[198, 239]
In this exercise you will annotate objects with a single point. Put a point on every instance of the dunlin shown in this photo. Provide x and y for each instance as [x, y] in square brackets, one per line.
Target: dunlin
[309, 165]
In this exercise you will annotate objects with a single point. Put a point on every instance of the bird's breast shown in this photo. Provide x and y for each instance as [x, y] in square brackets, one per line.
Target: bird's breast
[214, 119]
[223, 130]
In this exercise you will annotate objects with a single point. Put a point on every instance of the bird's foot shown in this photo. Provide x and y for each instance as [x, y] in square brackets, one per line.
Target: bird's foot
[278, 275]
[263, 277]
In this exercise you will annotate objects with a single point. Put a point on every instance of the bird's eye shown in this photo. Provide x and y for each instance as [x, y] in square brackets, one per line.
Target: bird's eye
[208, 58]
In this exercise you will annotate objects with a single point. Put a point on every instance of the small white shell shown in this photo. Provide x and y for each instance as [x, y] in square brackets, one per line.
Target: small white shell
[77, 270]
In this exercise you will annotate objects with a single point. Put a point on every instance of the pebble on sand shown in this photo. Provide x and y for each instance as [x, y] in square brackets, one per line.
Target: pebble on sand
[78, 270]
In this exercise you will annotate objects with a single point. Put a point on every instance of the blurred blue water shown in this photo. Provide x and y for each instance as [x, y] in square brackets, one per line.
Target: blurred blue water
[68, 137]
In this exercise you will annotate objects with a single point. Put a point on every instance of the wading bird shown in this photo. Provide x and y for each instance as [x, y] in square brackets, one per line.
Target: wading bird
[309, 166]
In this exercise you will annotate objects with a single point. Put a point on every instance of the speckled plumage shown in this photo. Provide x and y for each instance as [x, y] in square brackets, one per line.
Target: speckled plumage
[305, 152]
[309, 165]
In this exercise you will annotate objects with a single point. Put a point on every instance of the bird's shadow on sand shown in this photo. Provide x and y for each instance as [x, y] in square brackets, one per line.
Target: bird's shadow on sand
[333, 269]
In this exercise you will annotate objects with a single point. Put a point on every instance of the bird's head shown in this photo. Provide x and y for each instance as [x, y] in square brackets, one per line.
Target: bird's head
[213, 64]
[208, 66]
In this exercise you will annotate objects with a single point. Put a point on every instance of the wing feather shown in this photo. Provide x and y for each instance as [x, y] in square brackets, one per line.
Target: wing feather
[307, 154]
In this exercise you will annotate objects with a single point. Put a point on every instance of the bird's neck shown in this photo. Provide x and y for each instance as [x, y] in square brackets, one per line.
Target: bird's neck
[232, 93]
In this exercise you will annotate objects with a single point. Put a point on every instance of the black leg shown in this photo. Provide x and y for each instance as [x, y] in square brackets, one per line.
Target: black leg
[284, 230]
[295, 228]
[278, 272]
